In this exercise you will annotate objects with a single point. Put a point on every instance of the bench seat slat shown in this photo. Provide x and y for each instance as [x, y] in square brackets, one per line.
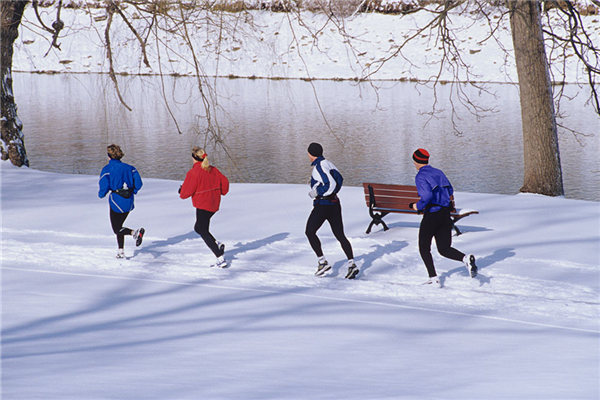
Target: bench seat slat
[395, 210]
[394, 203]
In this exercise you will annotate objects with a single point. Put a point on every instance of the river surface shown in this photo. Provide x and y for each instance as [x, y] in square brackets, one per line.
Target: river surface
[266, 125]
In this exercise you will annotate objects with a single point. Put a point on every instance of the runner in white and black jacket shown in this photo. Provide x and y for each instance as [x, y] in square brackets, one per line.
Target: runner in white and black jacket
[325, 183]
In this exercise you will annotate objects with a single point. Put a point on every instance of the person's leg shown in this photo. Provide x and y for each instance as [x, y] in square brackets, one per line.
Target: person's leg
[202, 228]
[116, 221]
[426, 232]
[334, 216]
[443, 237]
[314, 222]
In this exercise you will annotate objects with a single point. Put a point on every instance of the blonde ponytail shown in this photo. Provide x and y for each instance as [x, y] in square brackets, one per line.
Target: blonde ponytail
[200, 155]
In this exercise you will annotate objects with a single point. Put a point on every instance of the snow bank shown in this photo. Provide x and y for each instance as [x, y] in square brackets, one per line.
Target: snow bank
[278, 45]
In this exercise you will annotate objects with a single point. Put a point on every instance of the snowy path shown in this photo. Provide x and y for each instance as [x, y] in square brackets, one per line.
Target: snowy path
[119, 337]
[506, 296]
[78, 323]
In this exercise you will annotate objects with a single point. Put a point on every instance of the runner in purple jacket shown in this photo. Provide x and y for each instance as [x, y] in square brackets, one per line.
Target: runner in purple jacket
[436, 203]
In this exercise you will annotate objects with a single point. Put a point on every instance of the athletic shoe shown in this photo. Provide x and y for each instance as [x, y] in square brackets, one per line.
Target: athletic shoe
[322, 268]
[352, 271]
[434, 280]
[221, 262]
[121, 253]
[138, 235]
[469, 261]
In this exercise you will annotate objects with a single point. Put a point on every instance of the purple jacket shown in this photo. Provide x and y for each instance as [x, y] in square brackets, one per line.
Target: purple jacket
[434, 189]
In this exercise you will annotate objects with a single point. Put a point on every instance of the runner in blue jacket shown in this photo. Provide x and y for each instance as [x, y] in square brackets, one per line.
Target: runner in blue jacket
[122, 181]
[436, 202]
[325, 183]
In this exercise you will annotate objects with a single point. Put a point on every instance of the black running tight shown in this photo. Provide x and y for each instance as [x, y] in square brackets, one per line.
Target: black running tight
[437, 225]
[202, 228]
[332, 214]
[117, 220]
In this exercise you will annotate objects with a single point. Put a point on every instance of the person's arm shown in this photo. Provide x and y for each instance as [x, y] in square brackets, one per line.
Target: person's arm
[323, 186]
[103, 183]
[338, 178]
[425, 193]
[224, 184]
[137, 181]
[189, 185]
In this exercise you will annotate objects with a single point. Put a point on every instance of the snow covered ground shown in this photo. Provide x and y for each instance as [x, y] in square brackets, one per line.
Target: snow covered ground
[79, 324]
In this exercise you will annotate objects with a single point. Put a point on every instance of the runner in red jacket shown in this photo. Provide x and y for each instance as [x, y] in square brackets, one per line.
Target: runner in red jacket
[205, 184]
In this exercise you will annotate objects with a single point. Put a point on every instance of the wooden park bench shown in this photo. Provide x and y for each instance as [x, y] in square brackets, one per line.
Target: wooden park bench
[383, 199]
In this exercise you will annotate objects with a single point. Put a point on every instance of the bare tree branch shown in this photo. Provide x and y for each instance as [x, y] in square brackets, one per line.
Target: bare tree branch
[577, 39]
[57, 25]
[110, 10]
[134, 31]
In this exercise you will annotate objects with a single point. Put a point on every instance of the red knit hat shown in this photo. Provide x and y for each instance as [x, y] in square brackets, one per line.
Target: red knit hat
[421, 156]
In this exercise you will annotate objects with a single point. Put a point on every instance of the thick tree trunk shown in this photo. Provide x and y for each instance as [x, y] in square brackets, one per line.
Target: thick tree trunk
[540, 139]
[12, 146]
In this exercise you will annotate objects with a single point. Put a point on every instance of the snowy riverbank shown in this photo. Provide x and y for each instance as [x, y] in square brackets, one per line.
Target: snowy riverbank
[78, 323]
[276, 45]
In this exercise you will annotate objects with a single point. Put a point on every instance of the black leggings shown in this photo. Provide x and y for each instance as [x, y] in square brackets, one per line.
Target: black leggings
[333, 214]
[202, 225]
[117, 220]
[437, 225]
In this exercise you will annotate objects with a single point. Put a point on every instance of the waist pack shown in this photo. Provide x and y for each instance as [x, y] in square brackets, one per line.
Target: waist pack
[125, 193]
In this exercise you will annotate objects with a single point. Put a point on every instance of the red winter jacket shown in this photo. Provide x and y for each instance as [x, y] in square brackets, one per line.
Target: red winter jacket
[205, 187]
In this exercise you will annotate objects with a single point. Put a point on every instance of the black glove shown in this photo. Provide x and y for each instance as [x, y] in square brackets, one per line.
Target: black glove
[179, 191]
[411, 206]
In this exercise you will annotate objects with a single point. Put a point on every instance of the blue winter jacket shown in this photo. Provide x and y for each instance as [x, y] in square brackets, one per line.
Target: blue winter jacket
[118, 175]
[434, 189]
[326, 179]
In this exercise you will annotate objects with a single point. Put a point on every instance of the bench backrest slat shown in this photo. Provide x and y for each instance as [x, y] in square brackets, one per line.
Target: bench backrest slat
[384, 186]
[391, 196]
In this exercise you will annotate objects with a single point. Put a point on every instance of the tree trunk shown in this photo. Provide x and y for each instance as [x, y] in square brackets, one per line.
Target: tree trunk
[12, 146]
[540, 139]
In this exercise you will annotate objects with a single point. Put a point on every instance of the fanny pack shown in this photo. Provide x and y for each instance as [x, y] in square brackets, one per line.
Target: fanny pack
[125, 193]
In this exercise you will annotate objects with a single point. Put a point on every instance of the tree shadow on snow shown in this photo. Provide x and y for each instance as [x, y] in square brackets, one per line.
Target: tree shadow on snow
[154, 314]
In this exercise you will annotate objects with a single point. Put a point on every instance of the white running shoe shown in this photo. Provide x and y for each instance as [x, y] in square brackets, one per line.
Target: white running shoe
[221, 262]
[121, 253]
[434, 280]
[469, 261]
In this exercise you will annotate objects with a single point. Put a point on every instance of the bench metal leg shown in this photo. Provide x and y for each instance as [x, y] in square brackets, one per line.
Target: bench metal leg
[370, 226]
[458, 232]
[377, 221]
